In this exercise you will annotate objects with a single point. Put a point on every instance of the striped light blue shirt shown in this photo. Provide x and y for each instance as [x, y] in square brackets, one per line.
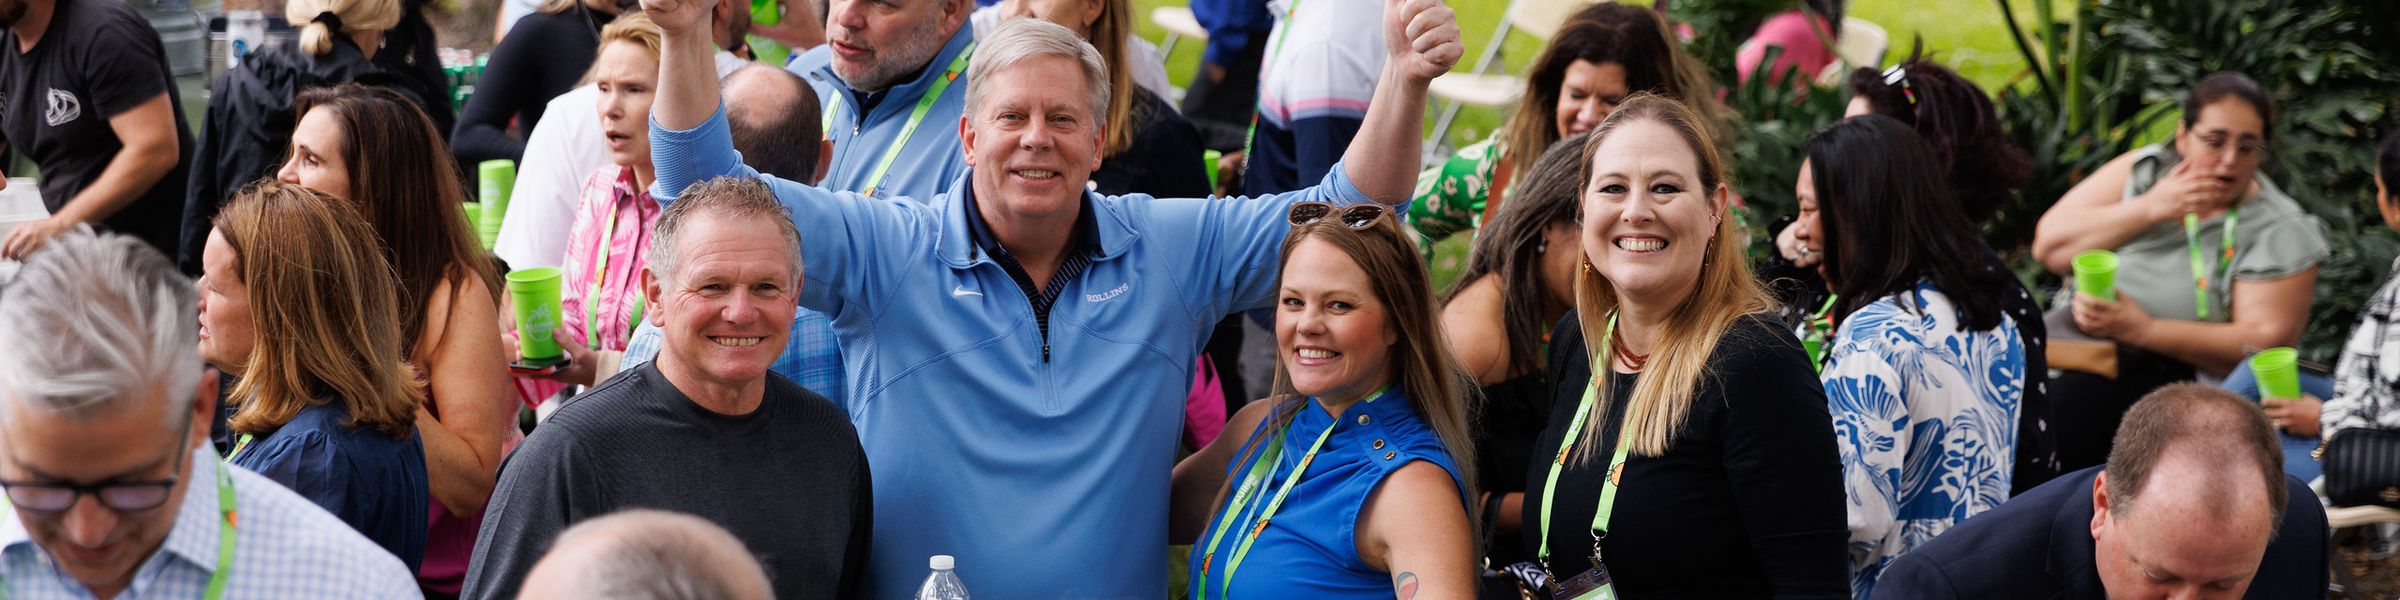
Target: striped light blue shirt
[284, 547]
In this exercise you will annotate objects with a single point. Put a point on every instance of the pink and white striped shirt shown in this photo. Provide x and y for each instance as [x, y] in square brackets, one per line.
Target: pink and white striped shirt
[611, 255]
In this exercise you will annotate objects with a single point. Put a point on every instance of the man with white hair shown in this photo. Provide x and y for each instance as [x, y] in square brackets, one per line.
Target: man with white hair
[706, 429]
[111, 486]
[644, 554]
[1018, 348]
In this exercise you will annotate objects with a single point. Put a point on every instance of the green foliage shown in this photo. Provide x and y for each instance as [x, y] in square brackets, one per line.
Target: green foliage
[2109, 78]
[1777, 115]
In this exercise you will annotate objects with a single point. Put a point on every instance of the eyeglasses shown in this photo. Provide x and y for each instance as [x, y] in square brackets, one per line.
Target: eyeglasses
[121, 496]
[127, 496]
[1898, 76]
[1355, 216]
[2244, 150]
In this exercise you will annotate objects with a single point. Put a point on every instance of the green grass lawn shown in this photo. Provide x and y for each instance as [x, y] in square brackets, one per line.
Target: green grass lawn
[1967, 35]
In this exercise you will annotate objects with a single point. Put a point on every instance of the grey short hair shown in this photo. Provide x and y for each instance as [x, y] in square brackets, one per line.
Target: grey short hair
[1022, 38]
[651, 554]
[100, 323]
[733, 197]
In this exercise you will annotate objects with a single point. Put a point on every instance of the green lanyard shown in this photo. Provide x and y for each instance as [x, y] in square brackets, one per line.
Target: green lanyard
[2191, 238]
[1616, 462]
[1820, 334]
[1260, 468]
[915, 117]
[238, 445]
[1274, 46]
[591, 302]
[225, 505]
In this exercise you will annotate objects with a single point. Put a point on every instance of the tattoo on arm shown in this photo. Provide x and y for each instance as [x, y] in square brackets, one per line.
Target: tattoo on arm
[1405, 584]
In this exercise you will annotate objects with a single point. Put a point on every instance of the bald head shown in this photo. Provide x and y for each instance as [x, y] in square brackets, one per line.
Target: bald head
[2203, 423]
[775, 120]
[646, 554]
[2192, 495]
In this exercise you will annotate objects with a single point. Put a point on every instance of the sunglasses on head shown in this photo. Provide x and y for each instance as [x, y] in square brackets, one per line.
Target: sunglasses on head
[1354, 216]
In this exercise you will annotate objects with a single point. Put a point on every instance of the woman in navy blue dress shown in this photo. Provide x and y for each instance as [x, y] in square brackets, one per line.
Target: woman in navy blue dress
[1350, 481]
[297, 301]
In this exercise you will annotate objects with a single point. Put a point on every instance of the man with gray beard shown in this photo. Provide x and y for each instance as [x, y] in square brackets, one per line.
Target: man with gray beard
[891, 78]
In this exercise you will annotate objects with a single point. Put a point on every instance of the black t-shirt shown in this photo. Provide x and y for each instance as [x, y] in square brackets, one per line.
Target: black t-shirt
[97, 60]
[542, 57]
[1746, 503]
[789, 479]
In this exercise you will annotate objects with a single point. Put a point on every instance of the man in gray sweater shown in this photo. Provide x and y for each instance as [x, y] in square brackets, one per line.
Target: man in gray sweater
[706, 429]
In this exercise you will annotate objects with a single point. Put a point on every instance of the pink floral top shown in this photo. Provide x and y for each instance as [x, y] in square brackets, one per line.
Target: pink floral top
[613, 257]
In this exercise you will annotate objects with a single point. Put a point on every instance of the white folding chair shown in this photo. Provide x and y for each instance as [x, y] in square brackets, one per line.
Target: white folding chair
[1538, 19]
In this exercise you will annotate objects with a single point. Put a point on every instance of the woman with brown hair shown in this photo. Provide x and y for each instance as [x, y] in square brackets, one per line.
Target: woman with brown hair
[1605, 52]
[250, 117]
[1519, 280]
[1354, 475]
[1695, 453]
[296, 301]
[2215, 262]
[375, 149]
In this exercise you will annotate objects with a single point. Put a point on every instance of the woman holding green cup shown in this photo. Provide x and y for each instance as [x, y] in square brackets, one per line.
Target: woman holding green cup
[594, 297]
[2214, 262]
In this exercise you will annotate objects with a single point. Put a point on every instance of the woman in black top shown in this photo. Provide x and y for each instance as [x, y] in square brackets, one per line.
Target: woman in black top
[1518, 280]
[543, 56]
[1728, 482]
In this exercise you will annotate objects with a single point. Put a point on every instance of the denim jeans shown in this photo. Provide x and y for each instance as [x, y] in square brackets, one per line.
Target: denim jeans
[2296, 449]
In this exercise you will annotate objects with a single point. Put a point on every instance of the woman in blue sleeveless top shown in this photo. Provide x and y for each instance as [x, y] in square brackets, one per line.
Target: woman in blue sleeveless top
[1349, 482]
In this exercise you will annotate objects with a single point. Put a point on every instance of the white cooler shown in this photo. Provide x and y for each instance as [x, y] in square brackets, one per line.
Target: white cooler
[20, 203]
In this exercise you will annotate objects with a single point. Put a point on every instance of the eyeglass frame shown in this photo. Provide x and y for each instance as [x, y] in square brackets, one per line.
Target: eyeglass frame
[1341, 212]
[97, 491]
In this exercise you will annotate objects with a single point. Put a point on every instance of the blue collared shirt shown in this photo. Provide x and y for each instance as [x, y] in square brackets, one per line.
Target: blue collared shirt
[932, 155]
[974, 438]
[284, 547]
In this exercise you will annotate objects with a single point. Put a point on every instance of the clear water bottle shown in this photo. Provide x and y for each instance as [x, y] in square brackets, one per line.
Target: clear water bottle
[943, 583]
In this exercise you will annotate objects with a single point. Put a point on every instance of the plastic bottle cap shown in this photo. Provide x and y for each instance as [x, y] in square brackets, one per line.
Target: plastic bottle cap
[944, 562]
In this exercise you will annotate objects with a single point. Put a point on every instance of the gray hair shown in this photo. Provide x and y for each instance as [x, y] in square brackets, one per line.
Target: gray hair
[99, 324]
[738, 198]
[1022, 38]
[648, 554]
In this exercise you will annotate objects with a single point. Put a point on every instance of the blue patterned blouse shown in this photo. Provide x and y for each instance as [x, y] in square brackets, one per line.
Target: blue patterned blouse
[1926, 417]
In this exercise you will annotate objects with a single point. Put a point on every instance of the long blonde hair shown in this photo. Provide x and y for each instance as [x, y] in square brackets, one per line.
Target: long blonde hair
[1678, 365]
[324, 305]
[316, 38]
[1108, 36]
[1438, 390]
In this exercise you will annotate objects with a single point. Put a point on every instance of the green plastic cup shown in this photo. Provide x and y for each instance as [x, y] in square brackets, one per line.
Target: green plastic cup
[497, 178]
[535, 294]
[2096, 274]
[1209, 160]
[2278, 372]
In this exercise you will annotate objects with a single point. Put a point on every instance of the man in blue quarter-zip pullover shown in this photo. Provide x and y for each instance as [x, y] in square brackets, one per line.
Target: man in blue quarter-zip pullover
[890, 79]
[1019, 348]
